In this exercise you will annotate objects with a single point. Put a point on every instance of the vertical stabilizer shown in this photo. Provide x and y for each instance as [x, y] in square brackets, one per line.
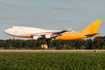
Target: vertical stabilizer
[92, 28]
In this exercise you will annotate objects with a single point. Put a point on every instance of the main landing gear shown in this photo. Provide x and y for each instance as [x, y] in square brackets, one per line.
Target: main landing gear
[48, 41]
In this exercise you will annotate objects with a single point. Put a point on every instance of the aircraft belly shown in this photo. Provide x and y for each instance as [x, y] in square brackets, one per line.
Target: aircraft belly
[27, 36]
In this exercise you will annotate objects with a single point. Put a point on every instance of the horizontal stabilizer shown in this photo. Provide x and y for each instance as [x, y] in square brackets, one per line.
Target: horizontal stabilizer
[91, 34]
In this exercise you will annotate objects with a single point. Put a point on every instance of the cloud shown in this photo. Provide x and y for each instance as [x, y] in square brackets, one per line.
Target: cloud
[60, 4]
[13, 2]
[53, 12]
[64, 7]
[10, 2]
[2, 6]
[15, 17]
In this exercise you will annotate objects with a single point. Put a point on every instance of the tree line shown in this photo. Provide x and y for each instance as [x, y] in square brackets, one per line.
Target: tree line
[96, 43]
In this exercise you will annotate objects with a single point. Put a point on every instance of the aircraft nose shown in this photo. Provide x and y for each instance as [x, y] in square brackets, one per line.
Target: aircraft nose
[6, 31]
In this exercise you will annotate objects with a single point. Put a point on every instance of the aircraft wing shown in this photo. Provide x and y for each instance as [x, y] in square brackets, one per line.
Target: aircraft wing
[49, 35]
[62, 31]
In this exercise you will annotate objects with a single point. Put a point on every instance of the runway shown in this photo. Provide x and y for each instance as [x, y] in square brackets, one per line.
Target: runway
[52, 50]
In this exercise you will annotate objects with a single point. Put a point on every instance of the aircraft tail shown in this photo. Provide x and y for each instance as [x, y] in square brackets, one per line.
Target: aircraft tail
[92, 28]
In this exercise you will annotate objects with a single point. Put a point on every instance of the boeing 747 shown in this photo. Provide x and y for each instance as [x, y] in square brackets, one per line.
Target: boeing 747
[49, 35]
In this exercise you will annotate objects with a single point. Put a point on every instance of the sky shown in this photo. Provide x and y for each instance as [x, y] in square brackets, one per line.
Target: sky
[51, 14]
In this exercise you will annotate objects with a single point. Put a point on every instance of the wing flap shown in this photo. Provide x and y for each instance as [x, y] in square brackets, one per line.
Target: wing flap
[62, 31]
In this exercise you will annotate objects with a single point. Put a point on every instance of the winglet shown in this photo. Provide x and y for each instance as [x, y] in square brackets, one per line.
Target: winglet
[69, 29]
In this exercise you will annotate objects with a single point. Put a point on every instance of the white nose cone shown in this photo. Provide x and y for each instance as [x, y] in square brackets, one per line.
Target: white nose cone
[7, 31]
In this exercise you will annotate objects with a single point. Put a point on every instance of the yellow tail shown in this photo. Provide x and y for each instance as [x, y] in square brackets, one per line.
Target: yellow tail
[92, 28]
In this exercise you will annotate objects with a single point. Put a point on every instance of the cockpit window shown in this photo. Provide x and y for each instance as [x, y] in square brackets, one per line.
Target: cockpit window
[17, 27]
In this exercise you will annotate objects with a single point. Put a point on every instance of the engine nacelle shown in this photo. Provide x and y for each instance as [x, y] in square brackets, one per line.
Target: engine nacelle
[35, 37]
[47, 36]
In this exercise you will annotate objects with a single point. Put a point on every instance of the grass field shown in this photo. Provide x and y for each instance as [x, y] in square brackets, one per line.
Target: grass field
[52, 61]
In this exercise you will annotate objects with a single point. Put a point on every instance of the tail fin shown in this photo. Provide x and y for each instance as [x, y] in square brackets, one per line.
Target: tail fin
[92, 28]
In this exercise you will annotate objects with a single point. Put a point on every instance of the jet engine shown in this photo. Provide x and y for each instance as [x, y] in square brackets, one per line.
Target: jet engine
[47, 36]
[35, 37]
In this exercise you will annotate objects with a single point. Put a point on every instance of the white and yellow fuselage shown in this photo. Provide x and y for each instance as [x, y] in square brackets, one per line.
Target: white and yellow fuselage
[36, 33]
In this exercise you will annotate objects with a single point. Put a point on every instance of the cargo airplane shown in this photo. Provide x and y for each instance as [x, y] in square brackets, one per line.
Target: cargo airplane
[49, 35]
